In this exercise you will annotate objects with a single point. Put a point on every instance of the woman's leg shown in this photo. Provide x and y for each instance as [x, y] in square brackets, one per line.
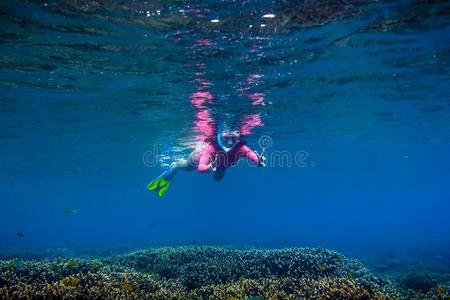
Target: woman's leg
[219, 173]
[162, 183]
[184, 164]
[180, 164]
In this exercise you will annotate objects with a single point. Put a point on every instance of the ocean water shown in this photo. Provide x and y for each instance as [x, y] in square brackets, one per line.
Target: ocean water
[350, 99]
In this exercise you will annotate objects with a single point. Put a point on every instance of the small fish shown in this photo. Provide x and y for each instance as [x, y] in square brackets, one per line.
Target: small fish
[95, 265]
[152, 225]
[70, 281]
[71, 263]
[18, 263]
[128, 287]
[69, 211]
[441, 290]
[20, 234]
[323, 268]
[231, 298]
[350, 275]
[242, 278]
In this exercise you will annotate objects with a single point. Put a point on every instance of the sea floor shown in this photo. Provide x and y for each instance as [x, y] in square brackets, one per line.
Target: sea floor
[204, 272]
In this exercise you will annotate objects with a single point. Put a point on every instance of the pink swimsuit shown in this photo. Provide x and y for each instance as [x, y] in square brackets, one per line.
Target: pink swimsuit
[204, 157]
[205, 129]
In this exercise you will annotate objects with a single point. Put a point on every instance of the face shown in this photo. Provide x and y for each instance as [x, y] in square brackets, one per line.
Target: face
[229, 140]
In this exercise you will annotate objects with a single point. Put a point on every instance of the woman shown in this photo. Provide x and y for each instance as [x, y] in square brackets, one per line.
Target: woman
[215, 157]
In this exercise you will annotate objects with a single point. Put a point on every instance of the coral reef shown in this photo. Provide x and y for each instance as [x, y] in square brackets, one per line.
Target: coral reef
[419, 281]
[195, 273]
[416, 275]
[424, 285]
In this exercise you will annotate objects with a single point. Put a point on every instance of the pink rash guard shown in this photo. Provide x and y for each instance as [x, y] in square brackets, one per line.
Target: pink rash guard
[224, 159]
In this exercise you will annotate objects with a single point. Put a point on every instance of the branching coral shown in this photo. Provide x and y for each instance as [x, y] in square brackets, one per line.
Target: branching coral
[195, 273]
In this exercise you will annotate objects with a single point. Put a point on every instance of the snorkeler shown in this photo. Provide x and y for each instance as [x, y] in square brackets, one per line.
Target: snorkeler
[215, 157]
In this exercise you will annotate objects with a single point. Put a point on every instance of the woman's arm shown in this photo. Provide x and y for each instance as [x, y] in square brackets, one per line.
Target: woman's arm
[250, 154]
[205, 159]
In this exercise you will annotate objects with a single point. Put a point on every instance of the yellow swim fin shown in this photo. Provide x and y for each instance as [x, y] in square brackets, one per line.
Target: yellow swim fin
[160, 185]
[164, 188]
[153, 185]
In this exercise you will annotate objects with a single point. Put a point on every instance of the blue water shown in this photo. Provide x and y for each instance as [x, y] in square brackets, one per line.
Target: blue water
[361, 89]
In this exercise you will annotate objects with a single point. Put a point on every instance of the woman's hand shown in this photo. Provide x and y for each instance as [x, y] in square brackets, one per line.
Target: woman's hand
[261, 158]
[213, 164]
